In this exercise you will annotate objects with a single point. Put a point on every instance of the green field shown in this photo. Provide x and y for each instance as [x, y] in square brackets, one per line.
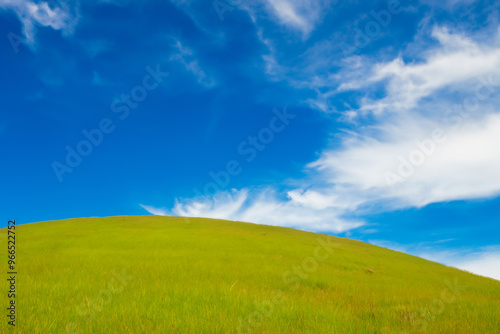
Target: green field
[150, 274]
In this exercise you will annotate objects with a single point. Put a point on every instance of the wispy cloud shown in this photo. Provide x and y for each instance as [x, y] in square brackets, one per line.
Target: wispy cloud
[449, 61]
[184, 55]
[265, 206]
[483, 261]
[58, 15]
[456, 62]
[302, 15]
[155, 211]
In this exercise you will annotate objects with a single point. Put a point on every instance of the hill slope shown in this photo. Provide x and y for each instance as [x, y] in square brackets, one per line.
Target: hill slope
[176, 275]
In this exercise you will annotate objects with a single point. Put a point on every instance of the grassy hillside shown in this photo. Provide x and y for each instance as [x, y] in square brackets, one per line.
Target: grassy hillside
[176, 275]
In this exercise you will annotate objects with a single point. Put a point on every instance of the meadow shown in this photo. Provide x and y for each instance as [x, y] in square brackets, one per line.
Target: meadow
[150, 274]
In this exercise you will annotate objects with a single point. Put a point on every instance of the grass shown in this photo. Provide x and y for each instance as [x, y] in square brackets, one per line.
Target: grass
[177, 275]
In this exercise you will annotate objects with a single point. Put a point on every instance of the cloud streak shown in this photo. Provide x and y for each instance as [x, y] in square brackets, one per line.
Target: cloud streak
[302, 15]
[263, 206]
[56, 15]
[457, 62]
[484, 261]
[184, 55]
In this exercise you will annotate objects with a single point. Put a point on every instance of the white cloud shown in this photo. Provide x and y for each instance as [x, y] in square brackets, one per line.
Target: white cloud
[422, 151]
[483, 261]
[485, 264]
[450, 62]
[298, 14]
[155, 211]
[224, 205]
[184, 55]
[63, 16]
[456, 62]
[410, 165]
[264, 207]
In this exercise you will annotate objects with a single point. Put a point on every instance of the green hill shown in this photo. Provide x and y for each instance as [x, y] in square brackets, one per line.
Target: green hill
[177, 275]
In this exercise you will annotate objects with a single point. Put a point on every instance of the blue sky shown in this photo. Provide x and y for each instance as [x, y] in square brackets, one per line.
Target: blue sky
[372, 120]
